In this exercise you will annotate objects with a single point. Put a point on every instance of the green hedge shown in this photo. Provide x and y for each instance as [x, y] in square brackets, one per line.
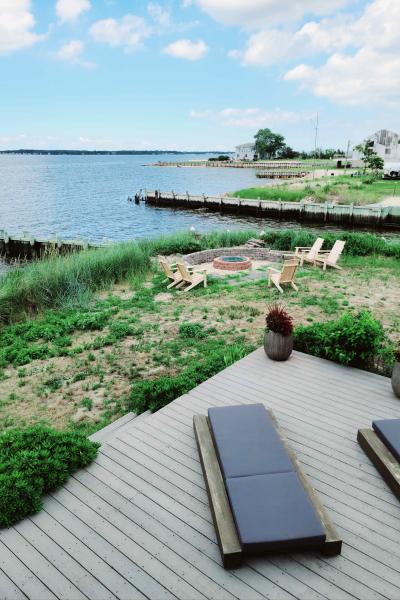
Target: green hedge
[35, 461]
[353, 339]
[153, 394]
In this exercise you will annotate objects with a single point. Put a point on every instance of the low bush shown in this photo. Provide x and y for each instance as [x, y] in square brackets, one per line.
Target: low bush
[35, 461]
[353, 339]
[153, 394]
[192, 330]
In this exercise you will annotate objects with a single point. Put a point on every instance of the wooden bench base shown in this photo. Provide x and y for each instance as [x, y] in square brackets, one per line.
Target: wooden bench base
[384, 461]
[228, 540]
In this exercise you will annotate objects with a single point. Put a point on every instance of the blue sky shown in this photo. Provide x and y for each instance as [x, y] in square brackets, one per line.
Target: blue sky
[196, 74]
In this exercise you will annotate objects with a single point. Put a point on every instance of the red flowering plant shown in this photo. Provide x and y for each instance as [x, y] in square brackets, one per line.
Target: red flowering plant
[278, 320]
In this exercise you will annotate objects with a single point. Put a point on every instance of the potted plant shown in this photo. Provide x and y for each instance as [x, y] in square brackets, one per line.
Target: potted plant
[278, 338]
[396, 373]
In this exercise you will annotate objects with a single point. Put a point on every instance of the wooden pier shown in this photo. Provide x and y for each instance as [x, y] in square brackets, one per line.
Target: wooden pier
[282, 174]
[239, 164]
[378, 217]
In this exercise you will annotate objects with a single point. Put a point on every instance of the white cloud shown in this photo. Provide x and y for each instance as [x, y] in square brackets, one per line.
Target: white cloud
[277, 45]
[16, 24]
[130, 31]
[70, 10]
[161, 16]
[187, 49]
[250, 117]
[365, 66]
[72, 52]
[365, 78]
[260, 14]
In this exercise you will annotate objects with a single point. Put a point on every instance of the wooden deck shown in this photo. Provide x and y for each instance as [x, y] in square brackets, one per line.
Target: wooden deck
[136, 523]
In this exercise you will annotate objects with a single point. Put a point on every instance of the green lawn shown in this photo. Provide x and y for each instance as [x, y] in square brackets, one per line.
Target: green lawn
[342, 189]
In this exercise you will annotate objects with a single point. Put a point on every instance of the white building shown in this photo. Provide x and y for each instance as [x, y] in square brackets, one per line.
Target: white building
[246, 152]
[386, 145]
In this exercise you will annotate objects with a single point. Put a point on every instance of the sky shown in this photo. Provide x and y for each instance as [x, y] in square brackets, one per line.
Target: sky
[196, 74]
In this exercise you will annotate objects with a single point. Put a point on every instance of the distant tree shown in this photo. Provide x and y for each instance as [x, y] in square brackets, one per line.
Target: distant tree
[268, 144]
[288, 152]
[370, 157]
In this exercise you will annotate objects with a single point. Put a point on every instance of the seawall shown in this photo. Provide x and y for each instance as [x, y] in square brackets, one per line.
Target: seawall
[349, 215]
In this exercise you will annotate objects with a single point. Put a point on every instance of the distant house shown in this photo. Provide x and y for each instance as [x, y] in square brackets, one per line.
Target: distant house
[386, 145]
[246, 152]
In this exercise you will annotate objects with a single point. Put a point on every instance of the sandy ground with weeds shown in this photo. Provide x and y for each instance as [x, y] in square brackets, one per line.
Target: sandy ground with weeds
[83, 388]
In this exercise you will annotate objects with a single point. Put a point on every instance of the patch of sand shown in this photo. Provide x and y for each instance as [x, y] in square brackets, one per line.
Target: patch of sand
[388, 201]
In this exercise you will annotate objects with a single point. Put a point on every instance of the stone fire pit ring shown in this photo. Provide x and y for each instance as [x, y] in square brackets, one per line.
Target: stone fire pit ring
[232, 263]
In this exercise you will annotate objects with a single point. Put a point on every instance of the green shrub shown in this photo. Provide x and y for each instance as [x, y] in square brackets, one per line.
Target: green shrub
[192, 330]
[353, 339]
[35, 461]
[153, 394]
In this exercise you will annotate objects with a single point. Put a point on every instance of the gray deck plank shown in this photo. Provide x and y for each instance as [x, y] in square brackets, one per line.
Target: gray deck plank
[40, 566]
[8, 590]
[136, 523]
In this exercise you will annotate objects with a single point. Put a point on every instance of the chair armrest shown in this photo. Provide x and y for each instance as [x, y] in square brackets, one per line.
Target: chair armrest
[272, 269]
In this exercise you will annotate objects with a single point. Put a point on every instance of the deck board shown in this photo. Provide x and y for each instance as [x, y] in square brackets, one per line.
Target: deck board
[136, 523]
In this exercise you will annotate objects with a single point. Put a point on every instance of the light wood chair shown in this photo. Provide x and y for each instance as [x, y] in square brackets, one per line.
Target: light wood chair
[285, 276]
[329, 258]
[191, 278]
[171, 271]
[309, 253]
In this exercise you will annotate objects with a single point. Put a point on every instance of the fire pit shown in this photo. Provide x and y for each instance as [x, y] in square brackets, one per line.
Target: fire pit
[232, 263]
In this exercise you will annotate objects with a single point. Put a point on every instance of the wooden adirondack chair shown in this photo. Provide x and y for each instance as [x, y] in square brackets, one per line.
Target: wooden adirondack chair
[309, 253]
[329, 258]
[285, 276]
[191, 278]
[171, 271]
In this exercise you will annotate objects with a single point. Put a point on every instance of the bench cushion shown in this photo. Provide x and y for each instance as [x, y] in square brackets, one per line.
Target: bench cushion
[247, 442]
[389, 432]
[273, 512]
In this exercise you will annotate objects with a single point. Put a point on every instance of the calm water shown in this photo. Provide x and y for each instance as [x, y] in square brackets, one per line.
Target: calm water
[87, 196]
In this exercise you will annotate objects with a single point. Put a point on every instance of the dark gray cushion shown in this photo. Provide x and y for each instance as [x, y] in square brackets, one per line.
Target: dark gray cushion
[389, 432]
[273, 512]
[246, 441]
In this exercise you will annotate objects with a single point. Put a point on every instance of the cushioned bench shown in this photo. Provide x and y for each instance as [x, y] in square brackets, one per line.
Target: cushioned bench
[382, 445]
[389, 432]
[270, 503]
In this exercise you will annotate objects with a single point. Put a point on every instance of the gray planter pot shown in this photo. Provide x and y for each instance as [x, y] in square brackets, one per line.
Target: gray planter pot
[396, 379]
[278, 346]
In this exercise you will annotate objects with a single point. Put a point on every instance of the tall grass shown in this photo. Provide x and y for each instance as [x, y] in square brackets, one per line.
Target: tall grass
[62, 280]
[357, 244]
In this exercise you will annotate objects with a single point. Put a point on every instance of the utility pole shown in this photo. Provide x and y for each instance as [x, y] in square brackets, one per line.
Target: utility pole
[347, 153]
[315, 125]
